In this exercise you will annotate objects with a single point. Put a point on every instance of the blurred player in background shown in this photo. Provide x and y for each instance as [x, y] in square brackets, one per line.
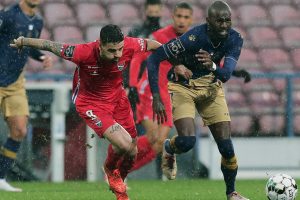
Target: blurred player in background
[16, 20]
[151, 143]
[151, 23]
[99, 96]
[203, 92]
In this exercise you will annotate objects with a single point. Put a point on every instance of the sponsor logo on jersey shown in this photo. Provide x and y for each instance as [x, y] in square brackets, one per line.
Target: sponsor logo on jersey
[192, 37]
[69, 51]
[30, 27]
[121, 66]
[94, 118]
[175, 47]
[94, 73]
[142, 44]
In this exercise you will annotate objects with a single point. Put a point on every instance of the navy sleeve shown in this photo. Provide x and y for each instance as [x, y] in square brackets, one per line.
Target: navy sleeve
[3, 20]
[36, 54]
[153, 62]
[169, 51]
[231, 57]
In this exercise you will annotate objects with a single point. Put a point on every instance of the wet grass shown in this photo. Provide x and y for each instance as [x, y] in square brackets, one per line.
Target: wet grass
[140, 190]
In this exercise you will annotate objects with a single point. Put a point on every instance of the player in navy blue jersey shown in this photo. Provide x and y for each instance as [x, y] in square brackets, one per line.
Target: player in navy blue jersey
[200, 50]
[17, 20]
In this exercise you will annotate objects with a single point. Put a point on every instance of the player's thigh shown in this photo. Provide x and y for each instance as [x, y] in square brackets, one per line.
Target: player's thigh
[123, 115]
[98, 117]
[185, 126]
[183, 105]
[220, 130]
[215, 110]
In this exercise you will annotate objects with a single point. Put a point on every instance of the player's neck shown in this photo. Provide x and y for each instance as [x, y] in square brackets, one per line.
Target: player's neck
[27, 9]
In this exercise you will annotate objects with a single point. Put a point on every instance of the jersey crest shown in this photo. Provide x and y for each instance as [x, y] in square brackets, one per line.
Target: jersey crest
[121, 66]
[192, 37]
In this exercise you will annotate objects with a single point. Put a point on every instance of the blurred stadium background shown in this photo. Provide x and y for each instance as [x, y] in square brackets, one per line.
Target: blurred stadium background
[265, 112]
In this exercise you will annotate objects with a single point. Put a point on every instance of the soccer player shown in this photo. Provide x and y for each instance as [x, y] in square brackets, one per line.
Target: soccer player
[99, 96]
[151, 143]
[16, 20]
[203, 92]
[151, 23]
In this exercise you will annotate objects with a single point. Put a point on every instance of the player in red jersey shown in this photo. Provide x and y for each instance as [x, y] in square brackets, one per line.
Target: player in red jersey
[99, 96]
[151, 143]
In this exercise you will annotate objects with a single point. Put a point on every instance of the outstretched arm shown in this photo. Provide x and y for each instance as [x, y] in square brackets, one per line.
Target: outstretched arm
[152, 44]
[41, 44]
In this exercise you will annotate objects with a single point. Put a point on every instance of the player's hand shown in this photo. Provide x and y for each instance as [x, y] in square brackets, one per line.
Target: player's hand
[181, 70]
[159, 111]
[17, 43]
[47, 62]
[242, 74]
[205, 59]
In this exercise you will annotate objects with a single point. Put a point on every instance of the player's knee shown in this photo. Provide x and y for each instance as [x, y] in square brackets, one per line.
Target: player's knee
[18, 133]
[226, 148]
[183, 144]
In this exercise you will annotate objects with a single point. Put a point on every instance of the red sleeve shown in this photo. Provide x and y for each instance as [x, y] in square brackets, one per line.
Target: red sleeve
[74, 52]
[135, 67]
[137, 44]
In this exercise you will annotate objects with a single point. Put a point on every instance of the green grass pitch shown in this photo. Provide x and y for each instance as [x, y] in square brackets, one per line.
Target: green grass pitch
[139, 190]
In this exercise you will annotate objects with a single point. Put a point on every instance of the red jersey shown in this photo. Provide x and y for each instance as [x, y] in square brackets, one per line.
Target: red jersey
[162, 35]
[96, 79]
[144, 110]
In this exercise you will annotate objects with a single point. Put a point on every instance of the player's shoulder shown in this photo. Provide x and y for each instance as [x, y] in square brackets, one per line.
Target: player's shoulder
[87, 49]
[11, 9]
[234, 34]
[128, 41]
[199, 29]
[134, 44]
[164, 29]
[90, 46]
[39, 17]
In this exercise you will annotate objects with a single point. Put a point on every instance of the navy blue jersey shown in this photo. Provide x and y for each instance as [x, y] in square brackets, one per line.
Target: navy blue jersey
[183, 49]
[15, 23]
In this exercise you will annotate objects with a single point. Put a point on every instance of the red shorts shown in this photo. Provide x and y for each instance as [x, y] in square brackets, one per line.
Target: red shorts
[100, 115]
[144, 108]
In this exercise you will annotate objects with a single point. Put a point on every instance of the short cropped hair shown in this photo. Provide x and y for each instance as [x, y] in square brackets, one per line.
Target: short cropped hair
[183, 5]
[111, 34]
[152, 2]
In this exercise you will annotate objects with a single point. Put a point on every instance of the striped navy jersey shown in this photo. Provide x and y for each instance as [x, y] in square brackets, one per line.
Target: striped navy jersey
[15, 23]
